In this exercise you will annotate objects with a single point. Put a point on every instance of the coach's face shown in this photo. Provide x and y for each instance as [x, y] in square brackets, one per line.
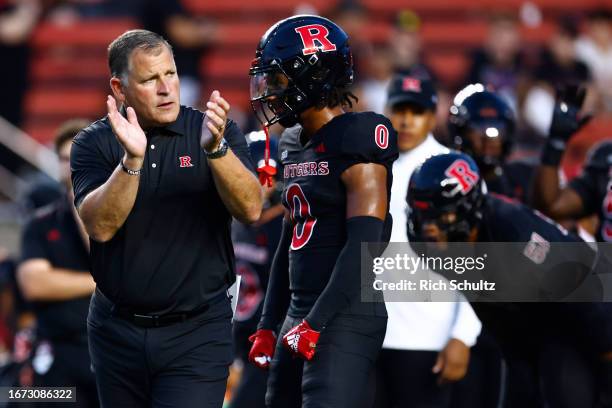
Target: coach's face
[152, 87]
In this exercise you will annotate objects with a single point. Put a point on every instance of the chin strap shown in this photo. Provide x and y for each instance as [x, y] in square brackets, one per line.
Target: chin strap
[266, 172]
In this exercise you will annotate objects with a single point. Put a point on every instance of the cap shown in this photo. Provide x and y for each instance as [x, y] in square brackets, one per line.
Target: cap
[409, 89]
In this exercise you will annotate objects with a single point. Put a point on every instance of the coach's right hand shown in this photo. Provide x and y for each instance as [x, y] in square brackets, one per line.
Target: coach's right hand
[128, 133]
[262, 351]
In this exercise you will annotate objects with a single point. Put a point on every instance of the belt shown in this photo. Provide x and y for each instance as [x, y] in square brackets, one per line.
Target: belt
[150, 320]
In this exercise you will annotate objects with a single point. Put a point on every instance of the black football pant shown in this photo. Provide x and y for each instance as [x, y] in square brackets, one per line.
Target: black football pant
[341, 374]
[404, 380]
[70, 367]
[181, 365]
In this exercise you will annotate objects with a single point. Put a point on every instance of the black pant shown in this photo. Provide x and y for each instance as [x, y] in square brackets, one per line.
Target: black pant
[341, 372]
[70, 367]
[182, 365]
[405, 380]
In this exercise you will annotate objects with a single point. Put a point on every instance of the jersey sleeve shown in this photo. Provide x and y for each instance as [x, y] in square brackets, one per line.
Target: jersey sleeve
[33, 242]
[89, 165]
[369, 138]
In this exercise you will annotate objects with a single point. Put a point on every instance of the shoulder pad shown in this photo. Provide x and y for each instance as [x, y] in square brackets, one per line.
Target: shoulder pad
[600, 156]
[289, 141]
[369, 137]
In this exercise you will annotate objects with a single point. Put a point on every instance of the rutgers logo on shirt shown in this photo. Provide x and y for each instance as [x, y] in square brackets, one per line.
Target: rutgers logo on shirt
[314, 38]
[185, 161]
[462, 176]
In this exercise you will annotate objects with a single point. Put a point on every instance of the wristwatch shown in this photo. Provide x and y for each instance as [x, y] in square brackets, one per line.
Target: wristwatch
[130, 171]
[220, 152]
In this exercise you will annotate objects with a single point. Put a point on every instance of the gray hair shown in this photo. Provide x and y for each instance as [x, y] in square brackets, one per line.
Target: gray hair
[120, 50]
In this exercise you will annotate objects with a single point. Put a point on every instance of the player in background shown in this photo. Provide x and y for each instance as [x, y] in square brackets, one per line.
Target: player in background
[254, 246]
[482, 124]
[448, 203]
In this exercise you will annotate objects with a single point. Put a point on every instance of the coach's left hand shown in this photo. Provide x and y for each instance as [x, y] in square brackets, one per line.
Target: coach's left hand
[302, 340]
[213, 129]
[452, 362]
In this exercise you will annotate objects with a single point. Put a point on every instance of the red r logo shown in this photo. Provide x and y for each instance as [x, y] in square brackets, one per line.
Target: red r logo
[185, 161]
[465, 177]
[315, 32]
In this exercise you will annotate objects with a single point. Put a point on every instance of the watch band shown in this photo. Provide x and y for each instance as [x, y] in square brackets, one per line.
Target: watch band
[130, 171]
[220, 152]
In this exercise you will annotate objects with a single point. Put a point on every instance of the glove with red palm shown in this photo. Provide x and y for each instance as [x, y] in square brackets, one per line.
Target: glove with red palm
[262, 350]
[302, 340]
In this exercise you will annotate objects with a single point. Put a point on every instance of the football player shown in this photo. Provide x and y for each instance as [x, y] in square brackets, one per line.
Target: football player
[482, 125]
[337, 182]
[591, 192]
[448, 203]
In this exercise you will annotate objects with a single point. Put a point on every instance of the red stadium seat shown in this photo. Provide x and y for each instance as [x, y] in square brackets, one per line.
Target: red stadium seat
[96, 33]
[71, 102]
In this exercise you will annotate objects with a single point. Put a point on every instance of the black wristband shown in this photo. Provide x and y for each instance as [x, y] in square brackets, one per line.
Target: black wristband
[552, 153]
[130, 171]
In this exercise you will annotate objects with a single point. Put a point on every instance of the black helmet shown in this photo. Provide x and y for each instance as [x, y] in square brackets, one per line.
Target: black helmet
[298, 62]
[476, 108]
[446, 183]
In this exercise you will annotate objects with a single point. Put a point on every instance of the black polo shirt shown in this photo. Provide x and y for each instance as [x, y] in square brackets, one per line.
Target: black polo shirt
[174, 251]
[53, 234]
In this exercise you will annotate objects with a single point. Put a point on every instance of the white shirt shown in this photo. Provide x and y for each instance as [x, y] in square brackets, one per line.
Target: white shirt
[423, 325]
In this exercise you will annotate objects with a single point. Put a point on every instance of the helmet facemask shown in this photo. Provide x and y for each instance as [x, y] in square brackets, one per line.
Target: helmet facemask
[275, 97]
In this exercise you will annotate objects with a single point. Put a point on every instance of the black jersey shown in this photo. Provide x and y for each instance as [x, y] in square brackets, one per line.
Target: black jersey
[315, 195]
[594, 186]
[527, 324]
[513, 180]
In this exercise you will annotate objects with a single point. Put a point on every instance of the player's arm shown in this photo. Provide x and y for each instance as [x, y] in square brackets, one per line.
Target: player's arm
[40, 281]
[546, 194]
[366, 208]
[276, 301]
[554, 201]
[277, 297]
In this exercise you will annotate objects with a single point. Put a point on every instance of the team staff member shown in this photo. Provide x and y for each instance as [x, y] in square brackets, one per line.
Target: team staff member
[426, 343]
[54, 276]
[156, 192]
[337, 183]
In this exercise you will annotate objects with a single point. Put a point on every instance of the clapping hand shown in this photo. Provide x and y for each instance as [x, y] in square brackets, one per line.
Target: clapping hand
[128, 133]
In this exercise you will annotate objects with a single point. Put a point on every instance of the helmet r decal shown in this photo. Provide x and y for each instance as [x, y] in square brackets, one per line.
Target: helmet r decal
[465, 178]
[315, 33]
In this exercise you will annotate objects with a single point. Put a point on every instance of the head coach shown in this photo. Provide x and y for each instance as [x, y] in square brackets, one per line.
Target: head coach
[156, 185]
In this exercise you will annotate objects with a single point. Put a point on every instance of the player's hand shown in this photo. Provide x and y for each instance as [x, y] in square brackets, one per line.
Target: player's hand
[262, 349]
[567, 118]
[302, 340]
[128, 133]
[452, 362]
[215, 118]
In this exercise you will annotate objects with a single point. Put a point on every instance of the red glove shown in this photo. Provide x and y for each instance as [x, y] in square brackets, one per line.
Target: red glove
[262, 349]
[302, 340]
